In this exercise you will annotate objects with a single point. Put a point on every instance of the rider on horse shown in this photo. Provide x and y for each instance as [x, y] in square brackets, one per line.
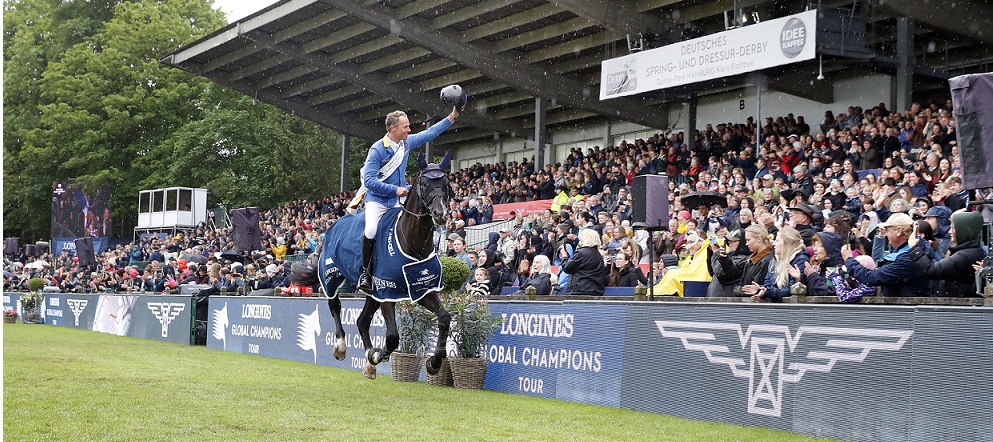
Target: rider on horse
[384, 178]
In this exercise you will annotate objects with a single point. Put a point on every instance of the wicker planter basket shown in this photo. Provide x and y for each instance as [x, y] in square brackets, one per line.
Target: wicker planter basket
[444, 376]
[10, 320]
[469, 373]
[406, 367]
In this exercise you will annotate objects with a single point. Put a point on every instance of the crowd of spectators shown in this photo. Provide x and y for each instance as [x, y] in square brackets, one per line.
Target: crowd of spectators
[865, 198]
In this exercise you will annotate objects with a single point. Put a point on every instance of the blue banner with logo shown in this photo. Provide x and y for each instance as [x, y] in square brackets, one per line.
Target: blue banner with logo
[573, 353]
[158, 317]
[296, 329]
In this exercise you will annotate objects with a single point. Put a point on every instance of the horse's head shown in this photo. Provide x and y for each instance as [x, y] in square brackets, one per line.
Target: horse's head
[433, 189]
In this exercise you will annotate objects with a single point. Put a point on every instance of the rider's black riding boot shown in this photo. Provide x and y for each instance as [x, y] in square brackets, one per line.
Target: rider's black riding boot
[365, 279]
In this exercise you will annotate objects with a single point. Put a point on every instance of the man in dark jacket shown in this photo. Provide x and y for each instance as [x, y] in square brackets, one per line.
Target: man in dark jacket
[803, 218]
[955, 275]
[896, 274]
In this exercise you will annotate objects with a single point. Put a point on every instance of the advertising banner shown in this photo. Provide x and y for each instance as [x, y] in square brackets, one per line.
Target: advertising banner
[158, 317]
[11, 301]
[751, 48]
[502, 211]
[299, 329]
[555, 352]
[60, 244]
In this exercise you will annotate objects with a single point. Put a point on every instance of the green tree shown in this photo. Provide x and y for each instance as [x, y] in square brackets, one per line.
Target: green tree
[86, 98]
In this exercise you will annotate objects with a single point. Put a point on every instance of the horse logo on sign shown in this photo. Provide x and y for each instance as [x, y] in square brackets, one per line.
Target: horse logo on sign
[766, 347]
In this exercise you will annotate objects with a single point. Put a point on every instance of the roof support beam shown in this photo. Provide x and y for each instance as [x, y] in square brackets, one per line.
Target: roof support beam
[966, 18]
[619, 16]
[502, 67]
[344, 124]
[403, 92]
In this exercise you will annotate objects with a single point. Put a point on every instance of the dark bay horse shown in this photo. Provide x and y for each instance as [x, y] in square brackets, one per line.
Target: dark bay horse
[413, 272]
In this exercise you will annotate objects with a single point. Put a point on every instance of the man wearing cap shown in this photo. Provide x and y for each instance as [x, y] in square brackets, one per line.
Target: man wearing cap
[895, 274]
[506, 244]
[767, 183]
[801, 218]
[939, 218]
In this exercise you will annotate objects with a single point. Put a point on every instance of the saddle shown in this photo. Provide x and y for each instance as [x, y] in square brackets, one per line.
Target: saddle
[396, 276]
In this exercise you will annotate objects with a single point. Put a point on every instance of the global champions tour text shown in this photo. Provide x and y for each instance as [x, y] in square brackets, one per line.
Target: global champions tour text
[546, 326]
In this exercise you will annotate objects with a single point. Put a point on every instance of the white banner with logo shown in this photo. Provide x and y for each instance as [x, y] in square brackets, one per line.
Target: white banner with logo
[773, 43]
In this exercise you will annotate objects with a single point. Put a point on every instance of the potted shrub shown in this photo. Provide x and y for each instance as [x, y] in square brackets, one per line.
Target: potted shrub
[453, 274]
[9, 316]
[31, 302]
[472, 327]
[415, 324]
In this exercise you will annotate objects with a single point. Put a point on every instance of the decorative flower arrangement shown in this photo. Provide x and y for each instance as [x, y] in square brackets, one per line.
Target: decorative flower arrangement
[472, 323]
[10, 313]
[416, 326]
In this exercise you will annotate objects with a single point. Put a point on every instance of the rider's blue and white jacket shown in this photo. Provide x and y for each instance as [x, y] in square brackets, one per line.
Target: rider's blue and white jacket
[385, 191]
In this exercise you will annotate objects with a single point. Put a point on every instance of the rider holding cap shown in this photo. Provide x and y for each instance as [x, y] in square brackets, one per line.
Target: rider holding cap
[384, 177]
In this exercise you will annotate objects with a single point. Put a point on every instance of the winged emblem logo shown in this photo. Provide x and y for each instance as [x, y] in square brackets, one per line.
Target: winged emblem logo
[165, 312]
[219, 325]
[308, 329]
[758, 352]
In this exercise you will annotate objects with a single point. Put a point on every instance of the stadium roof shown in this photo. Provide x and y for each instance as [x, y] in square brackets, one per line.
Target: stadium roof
[347, 63]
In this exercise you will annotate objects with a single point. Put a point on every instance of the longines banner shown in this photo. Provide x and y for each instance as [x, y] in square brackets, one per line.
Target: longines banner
[844, 372]
[294, 329]
[772, 43]
[847, 372]
[158, 317]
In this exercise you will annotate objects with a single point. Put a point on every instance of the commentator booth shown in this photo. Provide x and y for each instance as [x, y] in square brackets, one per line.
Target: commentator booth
[171, 209]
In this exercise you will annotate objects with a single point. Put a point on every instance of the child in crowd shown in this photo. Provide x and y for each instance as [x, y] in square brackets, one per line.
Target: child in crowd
[480, 286]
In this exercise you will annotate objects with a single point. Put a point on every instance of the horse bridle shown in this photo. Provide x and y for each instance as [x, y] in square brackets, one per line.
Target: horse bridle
[424, 203]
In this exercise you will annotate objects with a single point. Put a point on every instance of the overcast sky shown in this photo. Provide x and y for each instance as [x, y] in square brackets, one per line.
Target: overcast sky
[237, 9]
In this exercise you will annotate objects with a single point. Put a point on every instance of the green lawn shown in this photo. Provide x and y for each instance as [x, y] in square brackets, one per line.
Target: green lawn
[68, 384]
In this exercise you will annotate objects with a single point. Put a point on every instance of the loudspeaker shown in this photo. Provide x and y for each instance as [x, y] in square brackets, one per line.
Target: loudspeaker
[84, 251]
[30, 250]
[972, 102]
[247, 236]
[11, 246]
[650, 198]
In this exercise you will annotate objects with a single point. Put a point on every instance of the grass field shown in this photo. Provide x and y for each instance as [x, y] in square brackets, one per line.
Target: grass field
[67, 384]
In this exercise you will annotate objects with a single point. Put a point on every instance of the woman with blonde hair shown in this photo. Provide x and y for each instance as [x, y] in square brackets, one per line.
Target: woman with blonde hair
[790, 252]
[757, 265]
[587, 272]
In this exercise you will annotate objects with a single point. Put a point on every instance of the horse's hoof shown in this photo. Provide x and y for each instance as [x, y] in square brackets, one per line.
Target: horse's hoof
[430, 368]
[339, 349]
[376, 356]
[369, 371]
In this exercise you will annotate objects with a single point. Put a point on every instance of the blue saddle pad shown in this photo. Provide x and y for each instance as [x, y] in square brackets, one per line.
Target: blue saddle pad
[396, 276]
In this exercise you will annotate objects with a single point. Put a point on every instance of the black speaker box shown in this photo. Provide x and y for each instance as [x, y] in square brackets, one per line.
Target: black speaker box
[247, 236]
[84, 251]
[30, 250]
[650, 198]
[11, 246]
[972, 102]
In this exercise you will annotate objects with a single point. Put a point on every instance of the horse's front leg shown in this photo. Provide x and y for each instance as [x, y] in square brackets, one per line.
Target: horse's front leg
[389, 310]
[372, 355]
[334, 304]
[432, 302]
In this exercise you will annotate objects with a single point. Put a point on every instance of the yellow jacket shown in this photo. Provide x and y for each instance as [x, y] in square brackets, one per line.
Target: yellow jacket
[693, 270]
[560, 200]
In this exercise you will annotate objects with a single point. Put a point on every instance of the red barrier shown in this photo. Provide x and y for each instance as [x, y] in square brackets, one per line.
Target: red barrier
[502, 211]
